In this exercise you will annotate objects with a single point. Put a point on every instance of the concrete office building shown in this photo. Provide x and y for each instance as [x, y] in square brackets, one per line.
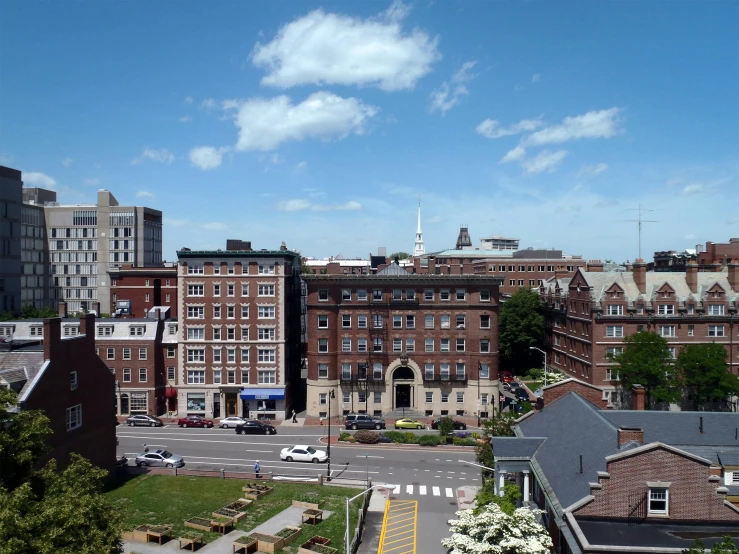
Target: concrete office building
[10, 245]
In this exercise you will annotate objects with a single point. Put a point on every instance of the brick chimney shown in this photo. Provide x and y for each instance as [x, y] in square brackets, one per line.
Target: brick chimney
[595, 266]
[638, 397]
[733, 274]
[52, 336]
[628, 434]
[640, 275]
[691, 276]
[62, 309]
[432, 265]
[96, 308]
[87, 328]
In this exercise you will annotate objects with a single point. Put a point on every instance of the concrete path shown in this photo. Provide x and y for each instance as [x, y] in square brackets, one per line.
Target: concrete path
[373, 524]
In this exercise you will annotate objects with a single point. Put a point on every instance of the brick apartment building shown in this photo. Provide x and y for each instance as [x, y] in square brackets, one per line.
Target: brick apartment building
[57, 371]
[589, 315]
[239, 331]
[136, 290]
[395, 340]
[626, 481]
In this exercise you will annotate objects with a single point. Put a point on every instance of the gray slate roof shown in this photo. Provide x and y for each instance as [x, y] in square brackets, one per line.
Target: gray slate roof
[515, 448]
[393, 269]
[681, 428]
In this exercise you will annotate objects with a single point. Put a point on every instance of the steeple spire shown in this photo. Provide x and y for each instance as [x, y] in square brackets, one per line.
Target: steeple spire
[419, 249]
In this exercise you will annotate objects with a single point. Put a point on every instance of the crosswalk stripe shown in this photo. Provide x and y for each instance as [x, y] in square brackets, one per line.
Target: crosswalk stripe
[422, 490]
[449, 493]
[396, 490]
[409, 489]
[437, 492]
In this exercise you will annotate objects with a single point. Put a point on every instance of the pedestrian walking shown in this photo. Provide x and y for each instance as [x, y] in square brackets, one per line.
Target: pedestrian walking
[146, 448]
[257, 468]
[295, 417]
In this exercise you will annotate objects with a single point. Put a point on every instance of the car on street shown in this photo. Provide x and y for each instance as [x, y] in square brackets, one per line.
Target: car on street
[194, 421]
[458, 425]
[252, 426]
[513, 386]
[143, 419]
[522, 394]
[230, 421]
[408, 423]
[159, 458]
[506, 376]
[303, 453]
[363, 421]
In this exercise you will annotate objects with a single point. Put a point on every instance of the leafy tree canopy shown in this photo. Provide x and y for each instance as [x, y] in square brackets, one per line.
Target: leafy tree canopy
[726, 546]
[646, 361]
[500, 426]
[521, 327]
[704, 374]
[507, 502]
[400, 255]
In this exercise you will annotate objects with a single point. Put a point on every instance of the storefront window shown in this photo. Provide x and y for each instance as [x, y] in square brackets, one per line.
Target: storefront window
[266, 405]
[124, 404]
[195, 401]
[138, 402]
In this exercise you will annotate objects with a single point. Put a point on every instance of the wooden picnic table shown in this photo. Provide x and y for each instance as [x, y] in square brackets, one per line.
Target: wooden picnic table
[311, 516]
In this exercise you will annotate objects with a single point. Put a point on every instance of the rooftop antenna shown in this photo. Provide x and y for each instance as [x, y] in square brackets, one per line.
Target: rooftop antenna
[639, 221]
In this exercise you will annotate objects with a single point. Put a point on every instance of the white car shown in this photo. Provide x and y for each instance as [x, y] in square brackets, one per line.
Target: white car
[231, 421]
[303, 453]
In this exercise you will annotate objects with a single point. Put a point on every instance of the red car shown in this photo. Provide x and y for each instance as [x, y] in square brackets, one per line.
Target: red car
[506, 376]
[194, 421]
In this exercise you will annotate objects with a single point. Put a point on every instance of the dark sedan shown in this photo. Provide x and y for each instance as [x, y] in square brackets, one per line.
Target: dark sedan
[251, 426]
[143, 419]
[458, 425]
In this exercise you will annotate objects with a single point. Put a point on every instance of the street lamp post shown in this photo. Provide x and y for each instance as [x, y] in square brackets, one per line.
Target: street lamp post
[348, 500]
[545, 362]
[331, 395]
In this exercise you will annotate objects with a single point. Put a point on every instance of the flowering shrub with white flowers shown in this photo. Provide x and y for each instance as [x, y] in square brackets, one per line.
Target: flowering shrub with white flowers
[494, 532]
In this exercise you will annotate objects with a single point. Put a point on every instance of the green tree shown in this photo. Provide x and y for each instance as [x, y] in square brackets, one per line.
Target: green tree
[446, 426]
[45, 511]
[704, 374]
[29, 312]
[521, 327]
[726, 546]
[400, 255]
[484, 454]
[500, 425]
[6, 316]
[646, 361]
[506, 503]
[47, 311]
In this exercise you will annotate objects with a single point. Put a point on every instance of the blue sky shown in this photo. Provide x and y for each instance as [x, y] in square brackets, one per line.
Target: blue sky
[319, 124]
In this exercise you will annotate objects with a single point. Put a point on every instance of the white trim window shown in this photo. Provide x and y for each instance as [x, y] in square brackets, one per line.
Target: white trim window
[716, 331]
[196, 290]
[266, 270]
[346, 345]
[715, 309]
[361, 345]
[195, 376]
[266, 355]
[266, 290]
[410, 345]
[266, 333]
[196, 312]
[196, 355]
[659, 498]
[614, 331]
[143, 354]
[265, 312]
[74, 417]
[142, 375]
[667, 331]
[73, 380]
[346, 295]
[266, 376]
[666, 309]
[126, 374]
[323, 371]
[195, 333]
[484, 370]
[322, 321]
[127, 354]
[346, 321]
[362, 321]
[429, 345]
[323, 346]
[615, 309]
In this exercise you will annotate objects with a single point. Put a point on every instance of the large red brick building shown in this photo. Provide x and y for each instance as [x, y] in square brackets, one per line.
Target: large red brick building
[589, 315]
[395, 340]
[54, 368]
[134, 291]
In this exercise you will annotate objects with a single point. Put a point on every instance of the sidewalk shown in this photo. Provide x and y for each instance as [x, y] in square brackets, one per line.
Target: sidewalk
[373, 524]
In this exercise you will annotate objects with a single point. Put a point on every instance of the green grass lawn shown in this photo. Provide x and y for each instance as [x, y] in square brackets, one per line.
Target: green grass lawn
[169, 500]
[533, 385]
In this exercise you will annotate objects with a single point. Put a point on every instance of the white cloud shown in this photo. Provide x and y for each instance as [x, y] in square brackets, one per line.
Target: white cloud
[300, 204]
[301, 165]
[519, 88]
[161, 155]
[514, 155]
[535, 77]
[188, 99]
[264, 124]
[490, 128]
[38, 179]
[326, 48]
[595, 124]
[184, 119]
[92, 182]
[592, 170]
[66, 162]
[448, 95]
[214, 226]
[207, 157]
[275, 159]
[144, 194]
[544, 161]
[693, 189]
[209, 104]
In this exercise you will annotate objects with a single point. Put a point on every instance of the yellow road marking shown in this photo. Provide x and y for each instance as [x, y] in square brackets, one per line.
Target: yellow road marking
[399, 526]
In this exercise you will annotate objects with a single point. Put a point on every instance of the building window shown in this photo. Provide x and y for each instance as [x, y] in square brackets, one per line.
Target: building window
[142, 354]
[126, 353]
[666, 309]
[216, 289]
[614, 331]
[103, 330]
[444, 372]
[74, 417]
[217, 355]
[346, 321]
[716, 331]
[484, 370]
[361, 345]
[361, 322]
[484, 346]
[196, 312]
[244, 289]
[460, 372]
[377, 344]
[323, 346]
[264, 355]
[195, 333]
[323, 295]
[658, 500]
[230, 290]
[323, 322]
[672, 351]
[263, 290]
[397, 345]
[266, 312]
[377, 295]
[72, 380]
[323, 371]
[377, 321]
[613, 351]
[195, 290]
[445, 295]
[460, 397]
[111, 353]
[444, 397]
[484, 295]
[245, 376]
[484, 322]
[126, 374]
[611, 374]
[346, 345]
[428, 372]
[323, 398]
[429, 345]
[196, 355]
[429, 396]
[346, 295]
[195, 376]
[142, 375]
[460, 345]
[397, 322]
[428, 322]
[346, 371]
[231, 312]
[266, 270]
[362, 397]
[377, 371]
[460, 294]
[428, 295]
[217, 333]
[666, 330]
[410, 345]
[410, 322]
[444, 345]
[362, 295]
[171, 351]
[244, 312]
[445, 321]
[377, 397]
[691, 330]
[266, 377]
[266, 333]
[461, 322]
[170, 374]
[615, 309]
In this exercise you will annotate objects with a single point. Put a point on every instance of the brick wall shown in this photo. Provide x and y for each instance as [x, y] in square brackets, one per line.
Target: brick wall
[691, 496]
[587, 391]
[627, 435]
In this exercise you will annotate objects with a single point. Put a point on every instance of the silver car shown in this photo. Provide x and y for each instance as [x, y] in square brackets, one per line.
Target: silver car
[159, 457]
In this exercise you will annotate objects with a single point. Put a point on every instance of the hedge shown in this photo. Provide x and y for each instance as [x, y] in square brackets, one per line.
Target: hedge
[429, 440]
[366, 437]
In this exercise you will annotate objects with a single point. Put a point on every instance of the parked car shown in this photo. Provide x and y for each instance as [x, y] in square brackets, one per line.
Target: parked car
[194, 421]
[522, 394]
[303, 453]
[458, 425]
[159, 457]
[143, 419]
[252, 426]
[513, 386]
[408, 423]
[506, 376]
[230, 421]
[363, 421]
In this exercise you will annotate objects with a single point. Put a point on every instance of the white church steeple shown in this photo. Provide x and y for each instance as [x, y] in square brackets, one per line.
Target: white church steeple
[419, 249]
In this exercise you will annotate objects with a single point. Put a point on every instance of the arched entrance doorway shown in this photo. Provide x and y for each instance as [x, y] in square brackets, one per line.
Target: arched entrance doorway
[403, 387]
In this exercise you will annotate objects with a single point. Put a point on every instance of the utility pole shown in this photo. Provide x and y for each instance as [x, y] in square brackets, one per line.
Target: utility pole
[639, 222]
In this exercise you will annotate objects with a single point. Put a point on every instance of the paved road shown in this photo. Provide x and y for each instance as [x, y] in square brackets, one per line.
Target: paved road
[431, 476]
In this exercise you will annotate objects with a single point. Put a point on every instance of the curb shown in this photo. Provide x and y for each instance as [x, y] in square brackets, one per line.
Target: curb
[448, 447]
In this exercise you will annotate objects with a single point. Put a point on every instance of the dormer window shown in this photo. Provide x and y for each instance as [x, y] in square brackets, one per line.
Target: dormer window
[37, 331]
[105, 330]
[136, 330]
[71, 330]
[666, 309]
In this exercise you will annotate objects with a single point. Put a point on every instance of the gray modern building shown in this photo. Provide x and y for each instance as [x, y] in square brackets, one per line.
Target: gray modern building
[10, 244]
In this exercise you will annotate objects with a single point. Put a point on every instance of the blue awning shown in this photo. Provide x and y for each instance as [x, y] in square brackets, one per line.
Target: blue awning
[276, 393]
